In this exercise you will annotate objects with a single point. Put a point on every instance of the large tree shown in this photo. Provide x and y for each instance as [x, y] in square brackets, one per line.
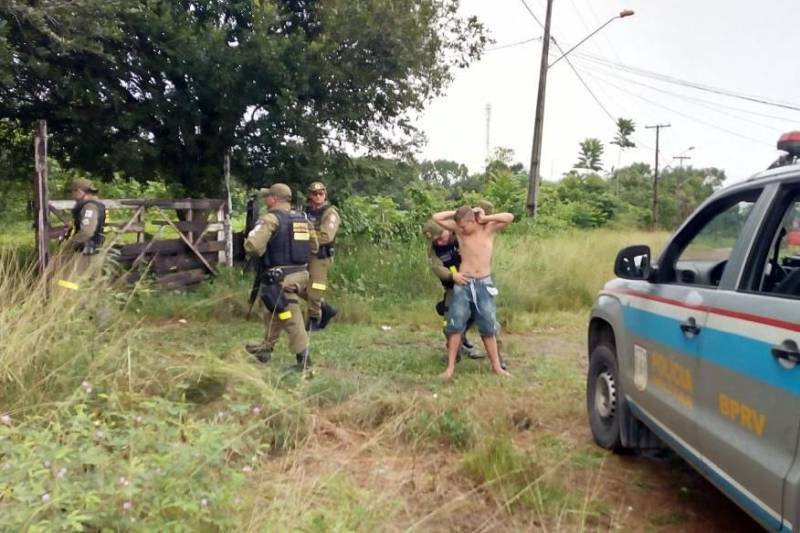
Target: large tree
[162, 88]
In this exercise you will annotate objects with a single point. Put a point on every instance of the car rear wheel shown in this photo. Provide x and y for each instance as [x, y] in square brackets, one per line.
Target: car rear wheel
[603, 395]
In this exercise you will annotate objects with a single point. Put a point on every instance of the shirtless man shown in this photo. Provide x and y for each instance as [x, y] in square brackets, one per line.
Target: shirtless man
[474, 292]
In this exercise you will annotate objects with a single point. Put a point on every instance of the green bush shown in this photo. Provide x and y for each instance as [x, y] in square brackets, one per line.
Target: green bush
[97, 465]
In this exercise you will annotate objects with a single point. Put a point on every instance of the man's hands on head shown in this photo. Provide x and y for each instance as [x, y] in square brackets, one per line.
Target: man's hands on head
[480, 215]
[459, 278]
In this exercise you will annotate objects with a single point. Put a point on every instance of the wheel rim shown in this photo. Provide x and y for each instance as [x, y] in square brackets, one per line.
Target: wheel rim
[605, 395]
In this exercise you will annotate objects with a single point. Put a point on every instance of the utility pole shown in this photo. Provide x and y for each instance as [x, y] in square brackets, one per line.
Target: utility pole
[681, 159]
[656, 127]
[538, 123]
[488, 129]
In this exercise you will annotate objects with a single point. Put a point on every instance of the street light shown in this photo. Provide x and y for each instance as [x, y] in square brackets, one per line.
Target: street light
[622, 14]
[538, 123]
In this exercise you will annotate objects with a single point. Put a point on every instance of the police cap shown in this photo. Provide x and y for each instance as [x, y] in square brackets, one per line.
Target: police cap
[82, 184]
[279, 190]
[487, 206]
[432, 230]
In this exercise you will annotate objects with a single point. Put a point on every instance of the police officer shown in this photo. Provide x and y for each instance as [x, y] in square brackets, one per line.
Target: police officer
[284, 241]
[445, 259]
[88, 225]
[325, 219]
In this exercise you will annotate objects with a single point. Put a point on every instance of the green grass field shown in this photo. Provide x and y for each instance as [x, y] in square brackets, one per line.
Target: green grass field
[130, 409]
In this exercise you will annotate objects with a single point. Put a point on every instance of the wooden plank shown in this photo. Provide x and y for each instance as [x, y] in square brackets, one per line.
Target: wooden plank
[184, 225]
[132, 203]
[146, 248]
[181, 279]
[162, 264]
[167, 247]
[57, 232]
[127, 228]
[191, 245]
[186, 203]
[67, 205]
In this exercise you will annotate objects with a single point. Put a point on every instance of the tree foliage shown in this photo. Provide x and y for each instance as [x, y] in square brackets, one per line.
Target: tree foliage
[590, 154]
[163, 88]
[625, 128]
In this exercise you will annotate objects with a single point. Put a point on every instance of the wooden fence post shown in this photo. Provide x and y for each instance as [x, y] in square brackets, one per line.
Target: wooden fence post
[226, 224]
[41, 195]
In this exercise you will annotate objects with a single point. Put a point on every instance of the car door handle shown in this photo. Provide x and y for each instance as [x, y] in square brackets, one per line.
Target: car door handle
[788, 351]
[690, 327]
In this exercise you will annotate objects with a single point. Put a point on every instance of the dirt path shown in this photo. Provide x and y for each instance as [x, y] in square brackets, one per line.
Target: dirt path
[424, 487]
[654, 492]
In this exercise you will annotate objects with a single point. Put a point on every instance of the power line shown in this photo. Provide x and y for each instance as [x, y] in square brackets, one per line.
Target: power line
[597, 21]
[684, 115]
[511, 45]
[575, 70]
[583, 23]
[539, 22]
[700, 102]
[694, 98]
[685, 83]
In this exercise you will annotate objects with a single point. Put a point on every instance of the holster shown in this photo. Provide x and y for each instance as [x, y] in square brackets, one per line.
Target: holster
[326, 251]
[273, 297]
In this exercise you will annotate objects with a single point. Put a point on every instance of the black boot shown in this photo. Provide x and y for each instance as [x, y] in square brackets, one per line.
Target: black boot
[469, 349]
[328, 312]
[260, 351]
[303, 360]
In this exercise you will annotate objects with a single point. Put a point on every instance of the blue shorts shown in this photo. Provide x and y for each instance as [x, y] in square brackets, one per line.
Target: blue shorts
[474, 300]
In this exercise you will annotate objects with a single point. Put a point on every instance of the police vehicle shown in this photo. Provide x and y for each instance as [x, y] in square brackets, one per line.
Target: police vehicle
[698, 348]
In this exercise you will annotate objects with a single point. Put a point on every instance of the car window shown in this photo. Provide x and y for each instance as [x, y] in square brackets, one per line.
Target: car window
[780, 262]
[701, 251]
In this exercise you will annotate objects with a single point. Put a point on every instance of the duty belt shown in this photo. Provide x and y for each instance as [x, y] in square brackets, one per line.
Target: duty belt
[293, 269]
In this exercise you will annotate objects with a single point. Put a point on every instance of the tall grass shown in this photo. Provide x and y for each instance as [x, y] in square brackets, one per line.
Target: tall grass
[535, 275]
[563, 272]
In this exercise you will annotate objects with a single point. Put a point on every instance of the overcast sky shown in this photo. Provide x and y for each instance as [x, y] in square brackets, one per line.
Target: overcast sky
[738, 45]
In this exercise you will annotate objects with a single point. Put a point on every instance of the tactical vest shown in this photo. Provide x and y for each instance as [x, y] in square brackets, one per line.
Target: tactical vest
[96, 240]
[290, 244]
[450, 256]
[315, 217]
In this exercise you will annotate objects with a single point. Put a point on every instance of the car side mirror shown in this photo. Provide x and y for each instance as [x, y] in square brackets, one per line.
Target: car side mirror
[633, 262]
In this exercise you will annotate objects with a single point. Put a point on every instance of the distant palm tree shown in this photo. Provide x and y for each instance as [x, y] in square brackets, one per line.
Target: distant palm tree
[590, 154]
[625, 128]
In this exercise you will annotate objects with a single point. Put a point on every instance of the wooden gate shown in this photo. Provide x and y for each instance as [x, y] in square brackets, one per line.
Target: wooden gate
[179, 241]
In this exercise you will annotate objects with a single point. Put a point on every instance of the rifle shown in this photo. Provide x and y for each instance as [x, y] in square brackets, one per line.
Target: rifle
[256, 261]
[66, 232]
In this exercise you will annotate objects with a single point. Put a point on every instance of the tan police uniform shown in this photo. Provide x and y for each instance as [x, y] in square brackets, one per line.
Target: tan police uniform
[88, 231]
[326, 223]
[287, 316]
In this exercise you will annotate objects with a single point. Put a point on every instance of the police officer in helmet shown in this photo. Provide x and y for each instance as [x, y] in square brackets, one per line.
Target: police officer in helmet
[284, 241]
[88, 224]
[325, 219]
